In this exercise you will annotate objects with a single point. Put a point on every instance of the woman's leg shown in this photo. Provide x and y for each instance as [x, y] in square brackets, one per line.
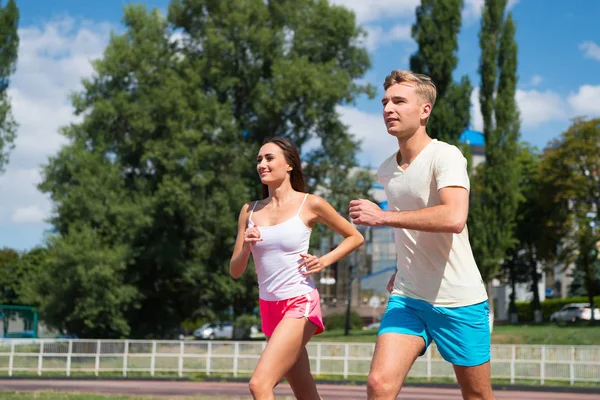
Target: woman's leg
[301, 380]
[283, 351]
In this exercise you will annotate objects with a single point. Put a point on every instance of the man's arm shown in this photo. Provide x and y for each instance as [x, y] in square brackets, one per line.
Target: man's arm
[448, 217]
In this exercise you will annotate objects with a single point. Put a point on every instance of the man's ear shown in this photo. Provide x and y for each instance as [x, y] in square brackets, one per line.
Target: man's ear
[426, 111]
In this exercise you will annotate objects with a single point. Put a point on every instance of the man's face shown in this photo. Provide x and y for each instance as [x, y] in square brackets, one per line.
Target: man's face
[403, 110]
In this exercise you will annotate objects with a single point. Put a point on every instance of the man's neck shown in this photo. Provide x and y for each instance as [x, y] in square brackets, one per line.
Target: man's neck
[412, 146]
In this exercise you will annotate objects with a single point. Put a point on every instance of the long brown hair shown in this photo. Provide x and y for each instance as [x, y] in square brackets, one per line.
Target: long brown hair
[292, 157]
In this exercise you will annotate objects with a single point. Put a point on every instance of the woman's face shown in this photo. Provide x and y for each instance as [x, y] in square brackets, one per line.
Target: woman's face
[271, 164]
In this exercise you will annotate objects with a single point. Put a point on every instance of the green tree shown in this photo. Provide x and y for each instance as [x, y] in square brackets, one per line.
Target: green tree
[83, 286]
[570, 187]
[436, 32]
[15, 273]
[578, 287]
[522, 262]
[285, 72]
[279, 76]
[155, 174]
[9, 44]
[27, 269]
[9, 260]
[494, 206]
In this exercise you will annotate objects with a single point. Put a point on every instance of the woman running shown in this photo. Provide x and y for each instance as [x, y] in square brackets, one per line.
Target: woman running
[276, 230]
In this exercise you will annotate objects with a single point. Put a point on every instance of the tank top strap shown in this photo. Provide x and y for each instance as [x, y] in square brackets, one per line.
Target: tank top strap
[300, 209]
[251, 212]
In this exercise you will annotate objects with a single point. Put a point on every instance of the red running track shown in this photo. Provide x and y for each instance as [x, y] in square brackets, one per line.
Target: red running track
[237, 391]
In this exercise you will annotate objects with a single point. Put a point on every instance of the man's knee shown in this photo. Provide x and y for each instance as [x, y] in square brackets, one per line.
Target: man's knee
[475, 382]
[381, 385]
[481, 390]
[477, 394]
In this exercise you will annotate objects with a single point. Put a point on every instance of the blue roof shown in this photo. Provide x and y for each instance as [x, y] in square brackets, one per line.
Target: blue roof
[472, 137]
[381, 271]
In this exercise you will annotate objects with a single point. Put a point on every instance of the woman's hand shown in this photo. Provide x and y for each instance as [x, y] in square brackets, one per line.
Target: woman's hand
[310, 264]
[251, 236]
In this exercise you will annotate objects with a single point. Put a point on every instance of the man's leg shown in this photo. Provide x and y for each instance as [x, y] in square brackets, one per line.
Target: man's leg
[402, 338]
[394, 356]
[475, 382]
[462, 336]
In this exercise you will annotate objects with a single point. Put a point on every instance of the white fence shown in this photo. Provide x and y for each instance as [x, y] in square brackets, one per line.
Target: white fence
[343, 360]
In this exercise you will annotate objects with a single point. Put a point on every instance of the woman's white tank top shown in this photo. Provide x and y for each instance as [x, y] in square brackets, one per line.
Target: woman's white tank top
[277, 258]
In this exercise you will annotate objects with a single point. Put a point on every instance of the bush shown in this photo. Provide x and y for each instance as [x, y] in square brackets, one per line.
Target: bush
[243, 324]
[338, 321]
[525, 309]
[191, 324]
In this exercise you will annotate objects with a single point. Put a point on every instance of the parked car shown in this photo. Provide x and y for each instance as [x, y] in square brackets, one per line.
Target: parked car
[214, 330]
[226, 330]
[372, 325]
[574, 312]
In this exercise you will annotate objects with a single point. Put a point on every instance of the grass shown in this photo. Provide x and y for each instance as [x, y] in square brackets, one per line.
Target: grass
[548, 334]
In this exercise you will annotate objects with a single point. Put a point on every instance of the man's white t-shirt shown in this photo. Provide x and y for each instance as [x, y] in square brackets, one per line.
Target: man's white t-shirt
[435, 267]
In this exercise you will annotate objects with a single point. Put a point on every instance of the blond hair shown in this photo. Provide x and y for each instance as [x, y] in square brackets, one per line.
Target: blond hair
[424, 86]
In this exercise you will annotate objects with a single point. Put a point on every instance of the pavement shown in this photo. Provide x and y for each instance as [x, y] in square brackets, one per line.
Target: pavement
[239, 390]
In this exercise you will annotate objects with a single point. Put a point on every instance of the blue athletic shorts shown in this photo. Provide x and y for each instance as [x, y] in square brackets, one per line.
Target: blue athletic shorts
[462, 334]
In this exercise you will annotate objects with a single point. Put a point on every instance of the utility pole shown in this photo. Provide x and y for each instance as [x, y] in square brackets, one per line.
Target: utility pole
[349, 304]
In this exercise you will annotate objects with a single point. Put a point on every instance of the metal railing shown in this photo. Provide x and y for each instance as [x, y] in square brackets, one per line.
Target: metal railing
[541, 363]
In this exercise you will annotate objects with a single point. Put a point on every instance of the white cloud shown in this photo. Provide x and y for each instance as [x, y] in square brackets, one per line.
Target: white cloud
[591, 49]
[536, 80]
[53, 58]
[369, 128]
[19, 186]
[401, 32]
[511, 4]
[374, 10]
[585, 101]
[378, 10]
[377, 144]
[473, 8]
[178, 37]
[535, 108]
[374, 34]
[538, 107]
[476, 118]
[377, 37]
[29, 215]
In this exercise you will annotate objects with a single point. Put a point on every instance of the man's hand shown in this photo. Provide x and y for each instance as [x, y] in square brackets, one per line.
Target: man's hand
[365, 212]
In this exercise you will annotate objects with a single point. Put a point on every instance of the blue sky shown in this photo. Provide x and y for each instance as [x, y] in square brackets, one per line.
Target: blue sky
[559, 65]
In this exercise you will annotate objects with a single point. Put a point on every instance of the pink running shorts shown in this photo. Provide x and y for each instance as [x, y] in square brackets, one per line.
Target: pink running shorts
[305, 306]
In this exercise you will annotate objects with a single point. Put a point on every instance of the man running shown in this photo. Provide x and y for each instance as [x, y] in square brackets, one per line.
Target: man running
[437, 293]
